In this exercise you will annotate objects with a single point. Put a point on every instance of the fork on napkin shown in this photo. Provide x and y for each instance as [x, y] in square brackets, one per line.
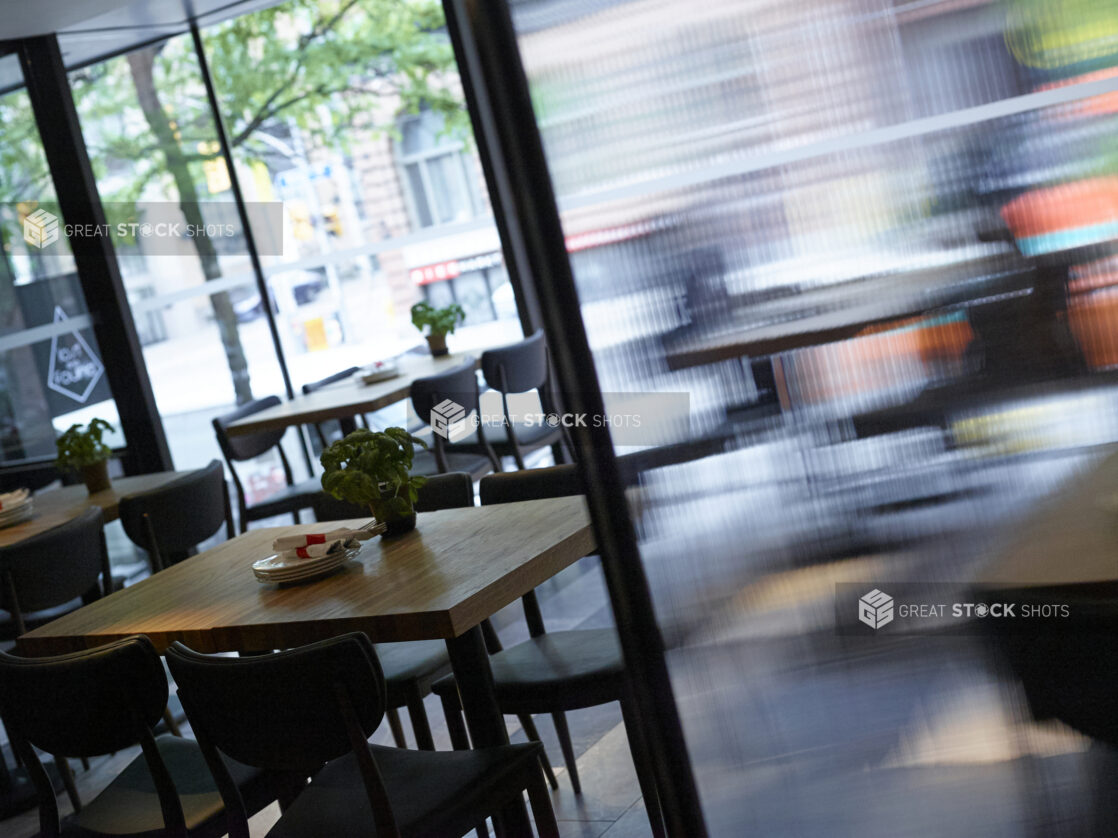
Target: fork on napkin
[314, 545]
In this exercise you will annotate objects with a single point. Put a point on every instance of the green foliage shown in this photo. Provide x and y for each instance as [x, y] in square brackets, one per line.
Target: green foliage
[335, 69]
[372, 468]
[441, 321]
[78, 448]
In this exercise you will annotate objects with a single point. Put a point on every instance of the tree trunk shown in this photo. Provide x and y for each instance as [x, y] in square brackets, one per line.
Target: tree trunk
[142, 64]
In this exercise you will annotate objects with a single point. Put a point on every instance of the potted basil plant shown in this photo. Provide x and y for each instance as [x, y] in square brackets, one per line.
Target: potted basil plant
[373, 469]
[439, 322]
[81, 449]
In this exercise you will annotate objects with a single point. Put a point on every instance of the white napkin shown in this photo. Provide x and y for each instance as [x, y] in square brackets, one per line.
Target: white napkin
[315, 551]
[319, 539]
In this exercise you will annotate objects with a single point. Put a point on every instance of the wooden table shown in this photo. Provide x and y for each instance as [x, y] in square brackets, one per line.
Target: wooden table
[347, 398]
[57, 506]
[440, 581]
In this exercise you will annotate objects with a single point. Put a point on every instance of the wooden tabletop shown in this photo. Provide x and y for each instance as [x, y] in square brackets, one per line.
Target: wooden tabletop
[57, 506]
[1070, 538]
[458, 567]
[348, 397]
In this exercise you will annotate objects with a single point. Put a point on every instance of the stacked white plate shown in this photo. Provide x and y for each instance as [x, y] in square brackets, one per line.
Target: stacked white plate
[15, 507]
[279, 568]
[379, 371]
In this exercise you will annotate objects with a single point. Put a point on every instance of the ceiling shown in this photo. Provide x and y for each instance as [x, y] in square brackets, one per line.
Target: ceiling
[93, 29]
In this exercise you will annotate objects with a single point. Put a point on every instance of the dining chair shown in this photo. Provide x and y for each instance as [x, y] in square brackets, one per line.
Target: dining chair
[411, 667]
[521, 368]
[290, 499]
[557, 671]
[106, 700]
[328, 431]
[459, 385]
[322, 729]
[169, 522]
[46, 575]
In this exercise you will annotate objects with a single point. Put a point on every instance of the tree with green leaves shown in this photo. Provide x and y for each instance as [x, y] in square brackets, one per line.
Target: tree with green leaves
[322, 66]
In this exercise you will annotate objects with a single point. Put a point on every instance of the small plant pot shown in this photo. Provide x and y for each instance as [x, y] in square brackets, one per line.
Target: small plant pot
[396, 524]
[96, 477]
[437, 345]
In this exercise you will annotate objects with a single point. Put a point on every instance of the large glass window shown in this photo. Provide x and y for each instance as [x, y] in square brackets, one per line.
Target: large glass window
[51, 373]
[352, 122]
[355, 122]
[153, 145]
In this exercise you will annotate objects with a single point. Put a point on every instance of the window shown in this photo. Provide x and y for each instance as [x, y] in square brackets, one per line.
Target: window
[435, 172]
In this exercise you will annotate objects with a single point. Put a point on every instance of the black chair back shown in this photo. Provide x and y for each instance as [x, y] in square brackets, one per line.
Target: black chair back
[293, 696]
[307, 706]
[330, 379]
[531, 484]
[86, 703]
[517, 368]
[170, 521]
[441, 491]
[54, 567]
[458, 384]
[247, 446]
[445, 491]
[325, 432]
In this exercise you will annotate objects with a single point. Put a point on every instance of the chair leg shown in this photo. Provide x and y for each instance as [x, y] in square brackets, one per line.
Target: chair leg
[396, 728]
[67, 775]
[529, 726]
[564, 734]
[540, 800]
[638, 746]
[452, 709]
[419, 725]
[557, 453]
[172, 725]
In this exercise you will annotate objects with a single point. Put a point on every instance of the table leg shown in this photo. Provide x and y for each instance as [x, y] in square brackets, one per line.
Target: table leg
[470, 662]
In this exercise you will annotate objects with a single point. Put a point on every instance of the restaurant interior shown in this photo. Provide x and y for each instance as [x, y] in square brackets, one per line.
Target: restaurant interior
[582, 418]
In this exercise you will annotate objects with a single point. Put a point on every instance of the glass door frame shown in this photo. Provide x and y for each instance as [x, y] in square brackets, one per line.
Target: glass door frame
[56, 120]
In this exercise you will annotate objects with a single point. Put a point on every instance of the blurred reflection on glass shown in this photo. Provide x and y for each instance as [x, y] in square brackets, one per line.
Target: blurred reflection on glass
[874, 241]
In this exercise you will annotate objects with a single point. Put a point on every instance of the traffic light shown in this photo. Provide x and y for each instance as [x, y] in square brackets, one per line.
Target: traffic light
[332, 221]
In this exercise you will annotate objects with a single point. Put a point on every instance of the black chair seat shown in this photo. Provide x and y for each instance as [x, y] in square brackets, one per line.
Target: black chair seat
[130, 803]
[410, 663]
[561, 670]
[432, 793]
[474, 465]
[288, 499]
